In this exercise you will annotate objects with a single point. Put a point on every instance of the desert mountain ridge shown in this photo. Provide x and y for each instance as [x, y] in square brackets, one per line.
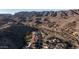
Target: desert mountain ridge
[53, 24]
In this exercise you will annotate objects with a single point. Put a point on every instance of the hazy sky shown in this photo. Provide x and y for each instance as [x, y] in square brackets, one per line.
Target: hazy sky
[12, 11]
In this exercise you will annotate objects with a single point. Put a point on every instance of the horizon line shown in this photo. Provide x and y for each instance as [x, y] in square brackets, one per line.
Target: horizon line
[13, 11]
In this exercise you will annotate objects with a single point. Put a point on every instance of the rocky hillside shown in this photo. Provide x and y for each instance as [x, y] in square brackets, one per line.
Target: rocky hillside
[60, 29]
